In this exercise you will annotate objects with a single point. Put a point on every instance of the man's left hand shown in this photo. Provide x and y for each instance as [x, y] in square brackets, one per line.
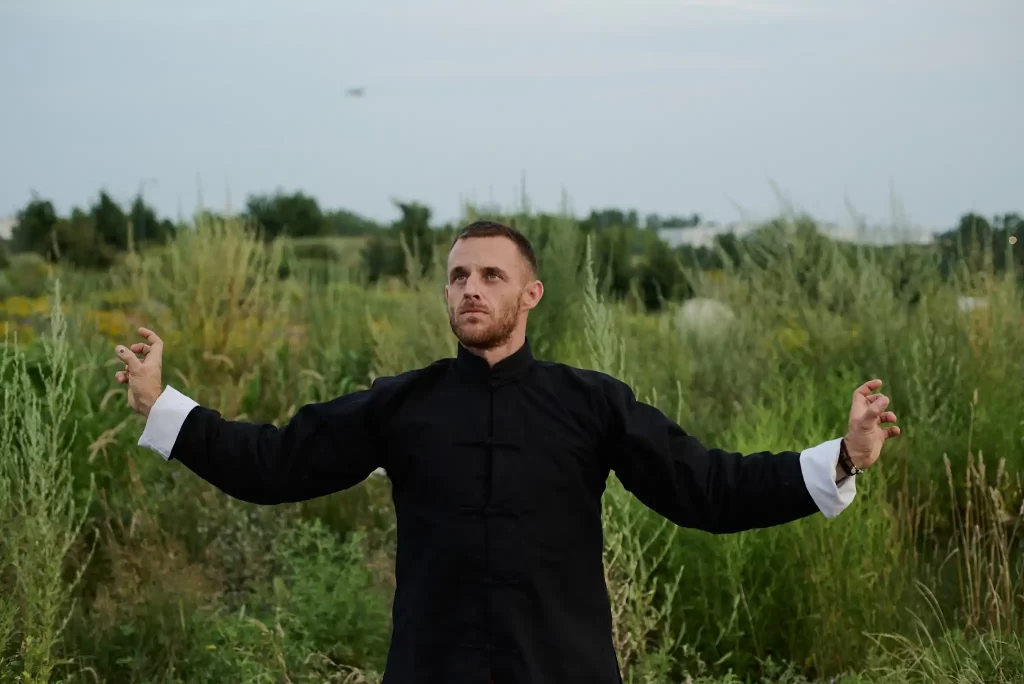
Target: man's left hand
[866, 435]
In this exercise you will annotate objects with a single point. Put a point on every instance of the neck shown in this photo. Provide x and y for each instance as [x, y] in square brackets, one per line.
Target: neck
[496, 354]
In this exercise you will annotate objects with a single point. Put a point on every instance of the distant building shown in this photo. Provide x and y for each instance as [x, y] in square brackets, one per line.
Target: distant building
[6, 227]
[704, 235]
[701, 235]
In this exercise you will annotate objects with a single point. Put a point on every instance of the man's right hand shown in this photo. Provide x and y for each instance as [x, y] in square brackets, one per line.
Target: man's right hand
[142, 375]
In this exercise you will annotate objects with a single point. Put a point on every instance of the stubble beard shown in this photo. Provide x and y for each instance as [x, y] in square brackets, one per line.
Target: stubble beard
[494, 335]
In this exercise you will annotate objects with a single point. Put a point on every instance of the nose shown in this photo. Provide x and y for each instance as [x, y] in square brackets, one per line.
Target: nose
[471, 289]
[471, 296]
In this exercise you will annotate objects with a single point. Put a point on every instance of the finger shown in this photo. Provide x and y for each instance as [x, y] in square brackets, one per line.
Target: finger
[877, 407]
[892, 432]
[122, 377]
[141, 348]
[130, 359]
[887, 417]
[155, 343]
[868, 387]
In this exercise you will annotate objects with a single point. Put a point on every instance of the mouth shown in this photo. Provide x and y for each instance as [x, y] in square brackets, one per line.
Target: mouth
[472, 311]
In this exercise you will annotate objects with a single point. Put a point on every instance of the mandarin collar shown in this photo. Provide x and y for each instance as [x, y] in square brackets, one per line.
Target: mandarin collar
[508, 369]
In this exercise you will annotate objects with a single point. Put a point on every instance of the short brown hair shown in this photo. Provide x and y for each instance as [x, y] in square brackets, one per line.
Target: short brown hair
[483, 228]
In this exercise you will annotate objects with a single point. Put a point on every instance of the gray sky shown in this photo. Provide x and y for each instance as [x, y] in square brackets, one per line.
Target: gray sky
[664, 106]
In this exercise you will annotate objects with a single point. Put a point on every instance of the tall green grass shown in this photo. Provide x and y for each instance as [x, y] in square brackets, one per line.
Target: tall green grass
[40, 511]
[122, 567]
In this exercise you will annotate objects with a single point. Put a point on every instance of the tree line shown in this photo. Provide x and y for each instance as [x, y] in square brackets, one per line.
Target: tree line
[628, 254]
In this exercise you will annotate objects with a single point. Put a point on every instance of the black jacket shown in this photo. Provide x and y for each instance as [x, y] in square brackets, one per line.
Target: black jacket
[497, 479]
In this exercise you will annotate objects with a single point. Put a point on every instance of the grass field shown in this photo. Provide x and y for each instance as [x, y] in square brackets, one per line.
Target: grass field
[119, 567]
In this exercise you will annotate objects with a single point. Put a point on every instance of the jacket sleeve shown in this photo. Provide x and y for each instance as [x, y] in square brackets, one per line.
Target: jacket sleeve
[325, 447]
[715, 490]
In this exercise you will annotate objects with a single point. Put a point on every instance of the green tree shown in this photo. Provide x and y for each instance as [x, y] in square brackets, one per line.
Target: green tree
[110, 222]
[613, 260]
[382, 258]
[349, 224]
[146, 226]
[413, 228]
[609, 218]
[80, 243]
[661, 277]
[34, 227]
[295, 214]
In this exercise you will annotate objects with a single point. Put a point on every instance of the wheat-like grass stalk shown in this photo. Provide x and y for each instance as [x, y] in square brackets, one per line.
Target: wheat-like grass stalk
[43, 516]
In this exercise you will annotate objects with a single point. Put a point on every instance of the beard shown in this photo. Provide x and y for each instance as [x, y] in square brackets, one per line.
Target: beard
[496, 332]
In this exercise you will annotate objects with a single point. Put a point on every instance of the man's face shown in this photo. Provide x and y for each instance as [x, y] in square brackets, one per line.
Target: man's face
[490, 289]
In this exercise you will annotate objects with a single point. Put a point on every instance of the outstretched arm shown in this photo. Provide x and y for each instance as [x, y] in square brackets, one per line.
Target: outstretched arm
[324, 447]
[715, 490]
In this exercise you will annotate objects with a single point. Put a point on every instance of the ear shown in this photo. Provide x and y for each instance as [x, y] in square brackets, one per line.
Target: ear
[532, 294]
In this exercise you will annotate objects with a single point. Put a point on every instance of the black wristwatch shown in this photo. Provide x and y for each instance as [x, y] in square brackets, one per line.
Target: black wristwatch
[845, 462]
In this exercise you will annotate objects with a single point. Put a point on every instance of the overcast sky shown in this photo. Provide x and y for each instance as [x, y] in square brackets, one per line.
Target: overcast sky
[666, 106]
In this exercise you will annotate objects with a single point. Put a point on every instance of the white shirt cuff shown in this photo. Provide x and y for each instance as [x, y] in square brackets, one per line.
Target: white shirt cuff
[818, 465]
[165, 420]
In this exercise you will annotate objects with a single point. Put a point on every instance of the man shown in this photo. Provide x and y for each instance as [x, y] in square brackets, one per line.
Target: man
[498, 462]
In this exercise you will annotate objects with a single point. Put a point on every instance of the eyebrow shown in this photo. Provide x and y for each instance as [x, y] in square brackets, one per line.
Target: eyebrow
[462, 270]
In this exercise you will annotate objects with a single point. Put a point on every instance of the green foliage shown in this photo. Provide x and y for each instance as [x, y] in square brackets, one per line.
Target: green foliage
[326, 597]
[315, 612]
[296, 215]
[559, 246]
[39, 510]
[299, 215]
[408, 250]
[630, 260]
[382, 258]
[170, 581]
[34, 225]
[145, 226]
[109, 221]
[661, 277]
[89, 239]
